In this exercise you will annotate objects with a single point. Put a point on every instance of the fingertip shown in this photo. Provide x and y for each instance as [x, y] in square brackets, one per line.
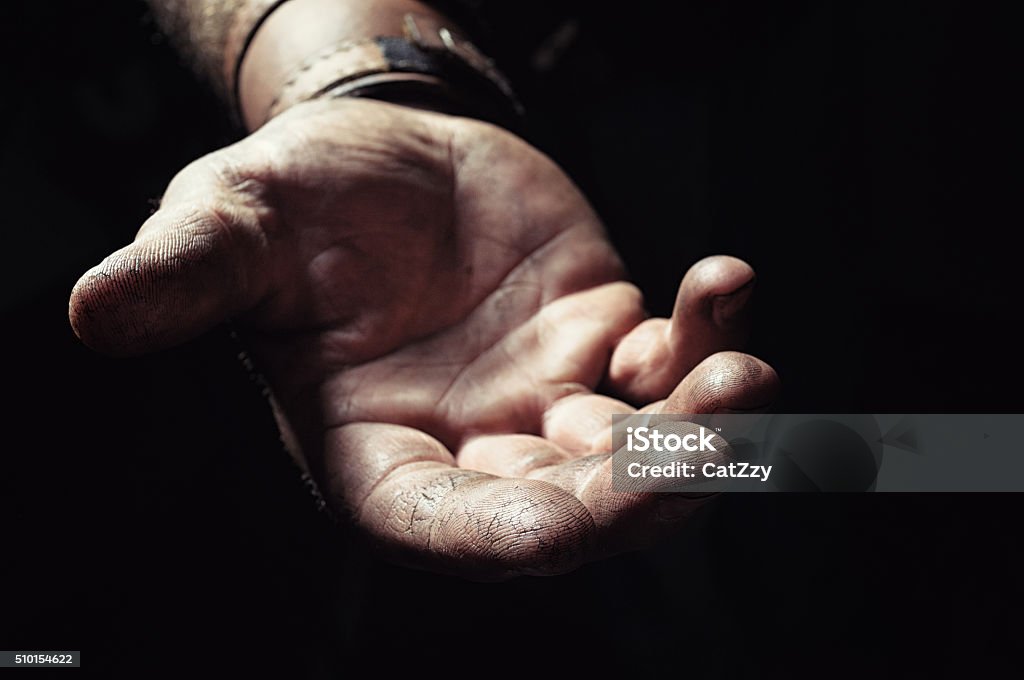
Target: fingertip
[713, 294]
[717, 275]
[499, 528]
[93, 313]
[192, 270]
[137, 301]
[726, 382]
[763, 385]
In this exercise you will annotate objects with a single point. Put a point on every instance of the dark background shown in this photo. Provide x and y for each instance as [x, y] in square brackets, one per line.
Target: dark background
[858, 154]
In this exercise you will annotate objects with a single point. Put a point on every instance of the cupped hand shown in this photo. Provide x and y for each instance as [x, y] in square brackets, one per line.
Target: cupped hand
[444, 326]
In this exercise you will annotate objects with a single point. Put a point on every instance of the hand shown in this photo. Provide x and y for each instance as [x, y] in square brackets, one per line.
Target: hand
[441, 320]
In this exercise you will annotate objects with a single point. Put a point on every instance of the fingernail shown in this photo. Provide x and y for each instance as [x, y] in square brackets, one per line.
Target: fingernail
[726, 307]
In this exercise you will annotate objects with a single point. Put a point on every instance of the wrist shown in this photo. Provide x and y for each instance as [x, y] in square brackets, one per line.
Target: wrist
[399, 51]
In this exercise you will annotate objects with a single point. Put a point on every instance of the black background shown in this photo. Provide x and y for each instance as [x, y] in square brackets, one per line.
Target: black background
[857, 154]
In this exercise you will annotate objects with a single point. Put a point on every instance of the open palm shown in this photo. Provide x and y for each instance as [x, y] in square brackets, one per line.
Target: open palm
[443, 324]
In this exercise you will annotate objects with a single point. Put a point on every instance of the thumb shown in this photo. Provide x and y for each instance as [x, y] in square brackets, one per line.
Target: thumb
[191, 267]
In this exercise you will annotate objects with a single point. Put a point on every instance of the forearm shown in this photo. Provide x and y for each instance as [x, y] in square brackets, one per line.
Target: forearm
[250, 68]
